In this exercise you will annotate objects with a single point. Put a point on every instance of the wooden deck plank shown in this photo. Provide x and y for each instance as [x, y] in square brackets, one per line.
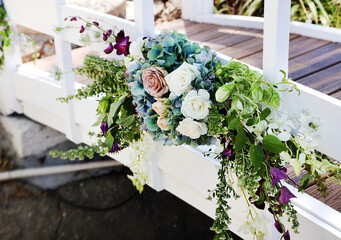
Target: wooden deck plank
[175, 24]
[298, 46]
[314, 61]
[196, 28]
[230, 39]
[248, 47]
[337, 95]
[333, 199]
[331, 80]
[209, 35]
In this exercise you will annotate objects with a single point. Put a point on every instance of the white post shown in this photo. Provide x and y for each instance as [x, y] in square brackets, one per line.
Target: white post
[64, 57]
[8, 100]
[276, 39]
[192, 8]
[144, 18]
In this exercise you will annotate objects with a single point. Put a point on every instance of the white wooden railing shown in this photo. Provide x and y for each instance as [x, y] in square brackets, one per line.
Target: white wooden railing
[182, 171]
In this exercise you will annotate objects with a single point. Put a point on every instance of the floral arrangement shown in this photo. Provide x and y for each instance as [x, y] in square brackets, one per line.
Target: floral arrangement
[175, 92]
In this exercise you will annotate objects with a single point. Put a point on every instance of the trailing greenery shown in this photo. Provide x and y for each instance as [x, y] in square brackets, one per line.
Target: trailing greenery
[108, 78]
[323, 12]
[115, 108]
[5, 31]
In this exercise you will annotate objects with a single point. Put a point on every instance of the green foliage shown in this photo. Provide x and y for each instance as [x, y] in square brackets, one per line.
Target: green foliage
[108, 78]
[273, 144]
[323, 12]
[5, 32]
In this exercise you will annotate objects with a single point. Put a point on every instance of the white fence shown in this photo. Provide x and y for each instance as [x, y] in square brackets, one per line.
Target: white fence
[181, 170]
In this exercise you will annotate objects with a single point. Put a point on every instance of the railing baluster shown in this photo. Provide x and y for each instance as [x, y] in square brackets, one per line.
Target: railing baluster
[144, 18]
[276, 39]
[64, 57]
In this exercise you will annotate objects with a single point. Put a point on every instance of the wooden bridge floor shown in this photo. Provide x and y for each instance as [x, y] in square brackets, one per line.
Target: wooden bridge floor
[312, 62]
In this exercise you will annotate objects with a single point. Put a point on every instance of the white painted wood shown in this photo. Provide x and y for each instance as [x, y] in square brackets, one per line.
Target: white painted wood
[144, 18]
[276, 39]
[8, 100]
[71, 29]
[43, 171]
[39, 15]
[316, 31]
[305, 29]
[191, 9]
[64, 58]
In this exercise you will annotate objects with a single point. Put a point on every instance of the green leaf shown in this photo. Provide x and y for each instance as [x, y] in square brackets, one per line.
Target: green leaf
[257, 92]
[273, 144]
[304, 181]
[265, 113]
[59, 29]
[234, 124]
[252, 121]
[109, 140]
[126, 122]
[99, 120]
[240, 140]
[275, 100]
[257, 156]
[114, 108]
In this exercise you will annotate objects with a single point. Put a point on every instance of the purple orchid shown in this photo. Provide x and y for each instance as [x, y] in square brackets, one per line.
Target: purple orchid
[115, 148]
[109, 31]
[286, 235]
[96, 23]
[104, 127]
[109, 49]
[73, 19]
[278, 226]
[122, 44]
[105, 36]
[82, 29]
[285, 195]
[277, 175]
[227, 152]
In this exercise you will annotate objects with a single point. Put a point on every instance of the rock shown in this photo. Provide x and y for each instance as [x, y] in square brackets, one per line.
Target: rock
[28, 137]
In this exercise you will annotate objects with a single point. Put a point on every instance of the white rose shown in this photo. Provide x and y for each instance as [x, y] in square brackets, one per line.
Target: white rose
[135, 49]
[196, 104]
[190, 128]
[179, 81]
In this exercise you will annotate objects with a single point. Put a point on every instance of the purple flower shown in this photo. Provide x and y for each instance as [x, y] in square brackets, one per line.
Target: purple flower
[286, 235]
[277, 175]
[82, 29]
[73, 19]
[104, 127]
[122, 44]
[96, 23]
[105, 36]
[115, 148]
[227, 152]
[109, 49]
[109, 31]
[278, 226]
[285, 195]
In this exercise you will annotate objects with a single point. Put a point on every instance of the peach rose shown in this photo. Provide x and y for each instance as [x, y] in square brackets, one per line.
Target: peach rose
[162, 123]
[154, 82]
[159, 107]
